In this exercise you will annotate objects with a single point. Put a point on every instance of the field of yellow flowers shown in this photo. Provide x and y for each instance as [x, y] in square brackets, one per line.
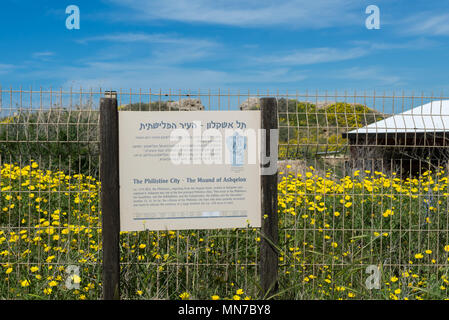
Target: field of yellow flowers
[331, 230]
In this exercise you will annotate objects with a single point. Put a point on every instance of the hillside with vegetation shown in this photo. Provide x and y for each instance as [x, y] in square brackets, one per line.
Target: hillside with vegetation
[310, 131]
[58, 138]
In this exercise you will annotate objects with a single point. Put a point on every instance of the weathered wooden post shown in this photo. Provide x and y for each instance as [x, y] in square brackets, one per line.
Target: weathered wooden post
[110, 197]
[270, 236]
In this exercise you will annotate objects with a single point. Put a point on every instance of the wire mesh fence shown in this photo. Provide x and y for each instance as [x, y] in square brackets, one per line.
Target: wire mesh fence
[362, 194]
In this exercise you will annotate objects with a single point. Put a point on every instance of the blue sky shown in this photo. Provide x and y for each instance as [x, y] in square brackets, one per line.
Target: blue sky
[264, 44]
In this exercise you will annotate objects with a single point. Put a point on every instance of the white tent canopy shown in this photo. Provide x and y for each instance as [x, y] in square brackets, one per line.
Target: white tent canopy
[430, 117]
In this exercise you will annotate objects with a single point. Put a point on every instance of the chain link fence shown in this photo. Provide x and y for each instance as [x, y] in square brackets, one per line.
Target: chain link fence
[362, 195]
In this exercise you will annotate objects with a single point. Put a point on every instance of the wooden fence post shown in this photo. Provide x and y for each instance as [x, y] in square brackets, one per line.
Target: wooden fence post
[110, 197]
[270, 236]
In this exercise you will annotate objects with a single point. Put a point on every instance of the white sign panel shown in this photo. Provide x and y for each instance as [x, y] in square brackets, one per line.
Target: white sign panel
[189, 170]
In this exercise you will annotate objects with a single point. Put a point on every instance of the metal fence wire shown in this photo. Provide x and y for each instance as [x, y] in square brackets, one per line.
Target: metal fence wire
[362, 201]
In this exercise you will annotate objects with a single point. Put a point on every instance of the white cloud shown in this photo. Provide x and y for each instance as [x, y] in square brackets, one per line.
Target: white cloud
[314, 56]
[130, 37]
[355, 49]
[426, 23]
[6, 68]
[43, 54]
[414, 44]
[293, 13]
[369, 74]
[165, 49]
[144, 74]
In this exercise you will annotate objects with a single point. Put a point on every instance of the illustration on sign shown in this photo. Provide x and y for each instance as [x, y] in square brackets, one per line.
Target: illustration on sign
[237, 147]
